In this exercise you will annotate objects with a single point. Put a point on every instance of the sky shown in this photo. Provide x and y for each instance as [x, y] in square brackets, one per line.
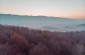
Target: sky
[55, 8]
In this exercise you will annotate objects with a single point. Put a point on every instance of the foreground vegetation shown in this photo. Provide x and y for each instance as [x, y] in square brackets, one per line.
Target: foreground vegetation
[16, 40]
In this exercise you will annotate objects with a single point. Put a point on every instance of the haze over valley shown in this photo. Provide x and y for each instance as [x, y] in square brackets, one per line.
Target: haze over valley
[44, 22]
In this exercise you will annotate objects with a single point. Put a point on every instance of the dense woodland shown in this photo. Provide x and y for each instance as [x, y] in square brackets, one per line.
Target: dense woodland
[16, 40]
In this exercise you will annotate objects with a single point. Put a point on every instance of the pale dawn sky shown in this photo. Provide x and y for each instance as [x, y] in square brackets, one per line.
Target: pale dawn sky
[56, 8]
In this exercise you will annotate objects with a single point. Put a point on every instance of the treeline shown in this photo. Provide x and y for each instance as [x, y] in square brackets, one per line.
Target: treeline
[16, 40]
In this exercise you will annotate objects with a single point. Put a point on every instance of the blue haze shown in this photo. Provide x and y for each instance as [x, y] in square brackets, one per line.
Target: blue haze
[43, 22]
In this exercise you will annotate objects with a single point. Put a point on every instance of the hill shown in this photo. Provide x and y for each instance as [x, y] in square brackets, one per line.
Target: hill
[16, 40]
[43, 22]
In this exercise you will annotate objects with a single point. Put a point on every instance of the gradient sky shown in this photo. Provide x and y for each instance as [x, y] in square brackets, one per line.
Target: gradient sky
[56, 8]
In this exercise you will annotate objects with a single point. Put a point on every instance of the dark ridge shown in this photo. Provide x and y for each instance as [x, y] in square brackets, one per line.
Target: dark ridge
[81, 25]
[16, 40]
[39, 16]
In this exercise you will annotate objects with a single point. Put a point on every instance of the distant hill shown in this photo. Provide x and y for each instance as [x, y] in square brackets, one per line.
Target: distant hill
[43, 22]
[32, 16]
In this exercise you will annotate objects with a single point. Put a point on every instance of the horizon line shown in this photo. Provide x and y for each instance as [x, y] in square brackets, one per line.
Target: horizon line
[42, 15]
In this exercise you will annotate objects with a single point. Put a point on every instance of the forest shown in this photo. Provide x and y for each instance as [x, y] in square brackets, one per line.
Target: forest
[16, 40]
